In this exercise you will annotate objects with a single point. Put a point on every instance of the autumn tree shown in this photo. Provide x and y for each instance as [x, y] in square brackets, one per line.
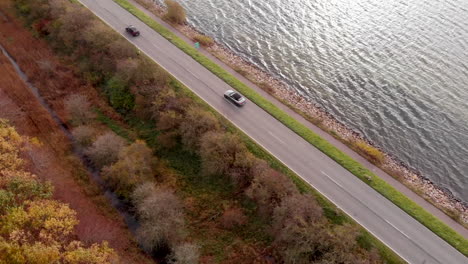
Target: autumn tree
[296, 209]
[17, 187]
[175, 12]
[134, 166]
[33, 228]
[79, 109]
[161, 220]
[84, 136]
[269, 187]
[218, 151]
[168, 120]
[185, 253]
[196, 122]
[41, 231]
[104, 151]
[10, 142]
[165, 101]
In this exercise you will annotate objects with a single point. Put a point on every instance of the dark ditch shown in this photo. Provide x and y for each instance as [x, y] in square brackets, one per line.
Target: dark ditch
[122, 207]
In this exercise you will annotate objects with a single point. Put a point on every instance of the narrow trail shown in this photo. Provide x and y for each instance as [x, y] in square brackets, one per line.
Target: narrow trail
[121, 207]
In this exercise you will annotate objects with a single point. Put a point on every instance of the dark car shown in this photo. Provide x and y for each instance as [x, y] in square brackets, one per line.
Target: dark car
[235, 97]
[133, 31]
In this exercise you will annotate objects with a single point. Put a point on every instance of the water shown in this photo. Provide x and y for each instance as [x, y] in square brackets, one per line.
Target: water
[396, 71]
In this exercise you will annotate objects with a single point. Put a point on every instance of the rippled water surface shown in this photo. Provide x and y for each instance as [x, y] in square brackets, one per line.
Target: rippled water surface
[396, 71]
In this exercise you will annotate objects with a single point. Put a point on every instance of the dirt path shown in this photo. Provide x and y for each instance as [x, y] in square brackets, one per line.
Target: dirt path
[55, 163]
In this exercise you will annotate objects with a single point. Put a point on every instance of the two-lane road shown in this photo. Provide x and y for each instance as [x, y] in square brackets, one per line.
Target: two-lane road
[411, 240]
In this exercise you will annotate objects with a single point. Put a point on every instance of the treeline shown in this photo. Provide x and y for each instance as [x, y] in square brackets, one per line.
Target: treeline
[34, 228]
[134, 174]
[134, 85]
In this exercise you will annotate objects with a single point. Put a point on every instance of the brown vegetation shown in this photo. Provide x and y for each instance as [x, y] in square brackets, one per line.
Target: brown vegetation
[370, 152]
[52, 161]
[79, 109]
[105, 150]
[161, 219]
[233, 217]
[175, 12]
[134, 166]
[204, 40]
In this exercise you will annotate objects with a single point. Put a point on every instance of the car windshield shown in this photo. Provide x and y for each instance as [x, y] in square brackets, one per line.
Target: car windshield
[236, 96]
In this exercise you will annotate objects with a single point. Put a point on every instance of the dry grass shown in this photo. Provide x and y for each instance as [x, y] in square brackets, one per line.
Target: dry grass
[370, 152]
[204, 40]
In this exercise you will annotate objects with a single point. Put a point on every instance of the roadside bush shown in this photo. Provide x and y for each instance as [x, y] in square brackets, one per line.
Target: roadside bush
[297, 209]
[167, 139]
[134, 166]
[69, 28]
[303, 235]
[240, 172]
[168, 100]
[119, 49]
[204, 40]
[120, 97]
[185, 253]
[224, 154]
[218, 152]
[126, 69]
[79, 110]
[105, 149]
[161, 221]
[84, 136]
[196, 123]
[303, 245]
[233, 217]
[175, 12]
[149, 73]
[168, 120]
[269, 188]
[371, 152]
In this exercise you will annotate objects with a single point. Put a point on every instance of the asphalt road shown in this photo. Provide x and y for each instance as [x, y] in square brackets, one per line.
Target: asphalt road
[407, 237]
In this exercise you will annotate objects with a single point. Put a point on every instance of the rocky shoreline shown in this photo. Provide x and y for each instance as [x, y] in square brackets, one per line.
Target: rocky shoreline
[440, 197]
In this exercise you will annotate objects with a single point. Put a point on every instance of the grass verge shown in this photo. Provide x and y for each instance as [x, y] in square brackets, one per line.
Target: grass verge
[410, 207]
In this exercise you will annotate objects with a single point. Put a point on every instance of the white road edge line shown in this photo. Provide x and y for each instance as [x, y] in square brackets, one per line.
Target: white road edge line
[284, 164]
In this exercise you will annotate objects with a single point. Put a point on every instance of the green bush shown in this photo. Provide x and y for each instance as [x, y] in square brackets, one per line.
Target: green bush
[119, 95]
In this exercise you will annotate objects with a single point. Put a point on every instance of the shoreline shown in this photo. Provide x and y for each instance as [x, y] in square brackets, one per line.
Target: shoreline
[440, 197]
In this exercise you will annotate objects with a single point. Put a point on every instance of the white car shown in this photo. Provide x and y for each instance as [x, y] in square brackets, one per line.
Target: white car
[235, 97]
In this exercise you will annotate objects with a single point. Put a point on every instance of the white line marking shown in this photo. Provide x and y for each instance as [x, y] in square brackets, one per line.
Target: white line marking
[396, 228]
[277, 138]
[331, 179]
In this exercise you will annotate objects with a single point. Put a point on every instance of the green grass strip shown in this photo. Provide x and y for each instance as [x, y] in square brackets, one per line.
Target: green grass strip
[410, 207]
